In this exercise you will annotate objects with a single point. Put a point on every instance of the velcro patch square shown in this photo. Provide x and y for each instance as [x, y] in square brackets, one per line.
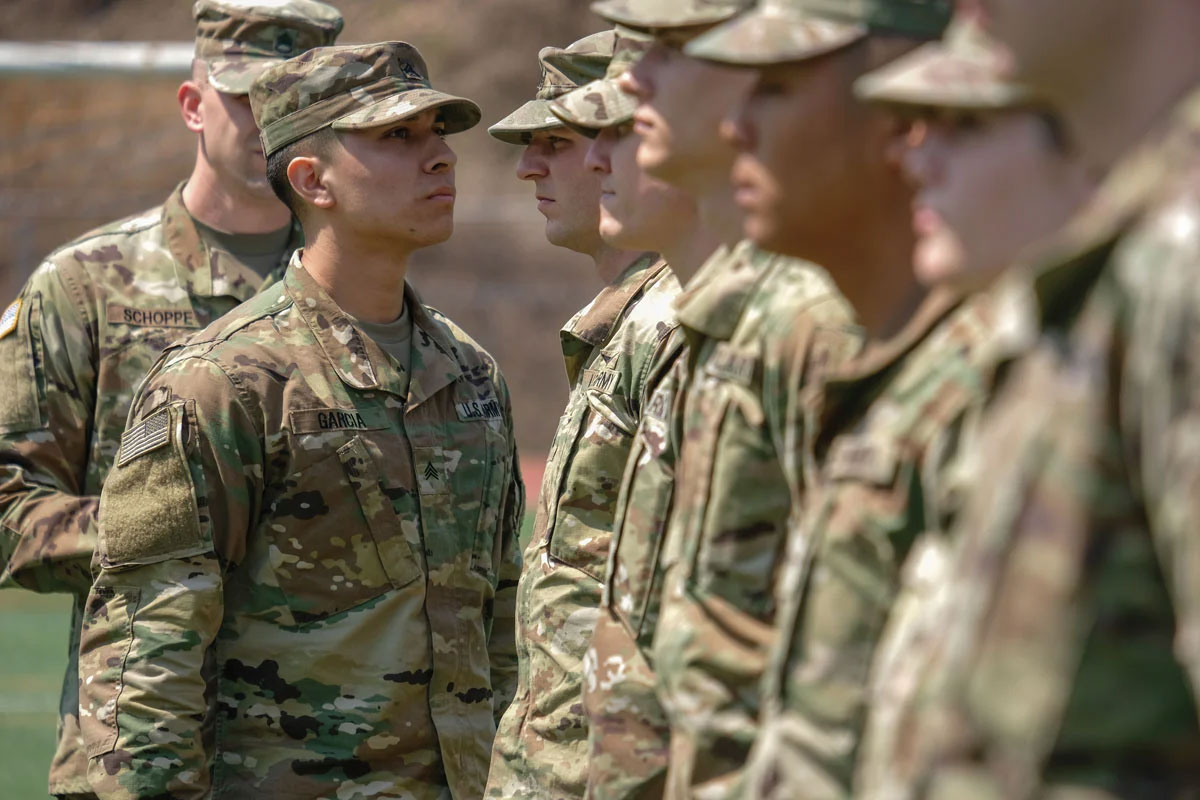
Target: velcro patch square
[8, 320]
[150, 434]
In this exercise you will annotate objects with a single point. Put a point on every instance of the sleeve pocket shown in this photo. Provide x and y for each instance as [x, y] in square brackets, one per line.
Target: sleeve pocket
[105, 641]
[20, 335]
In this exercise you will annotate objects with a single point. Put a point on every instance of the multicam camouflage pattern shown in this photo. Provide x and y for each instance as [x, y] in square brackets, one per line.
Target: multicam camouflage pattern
[306, 574]
[609, 347]
[563, 69]
[602, 103]
[92, 321]
[659, 14]
[880, 456]
[780, 31]
[627, 726]
[1053, 652]
[238, 39]
[732, 497]
[350, 88]
[968, 71]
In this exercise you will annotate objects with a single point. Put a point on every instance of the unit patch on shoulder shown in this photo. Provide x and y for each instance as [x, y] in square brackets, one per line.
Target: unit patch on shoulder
[8, 320]
[150, 434]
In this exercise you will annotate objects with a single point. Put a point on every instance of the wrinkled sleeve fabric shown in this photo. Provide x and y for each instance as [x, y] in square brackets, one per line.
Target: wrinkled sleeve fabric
[48, 371]
[174, 514]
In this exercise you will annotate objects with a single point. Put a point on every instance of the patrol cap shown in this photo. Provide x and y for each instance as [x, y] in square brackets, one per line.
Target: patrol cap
[782, 31]
[238, 39]
[601, 103]
[563, 69]
[349, 88]
[665, 14]
[967, 70]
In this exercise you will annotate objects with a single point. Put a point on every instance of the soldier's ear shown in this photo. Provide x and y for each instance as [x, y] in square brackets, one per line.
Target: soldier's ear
[306, 174]
[189, 106]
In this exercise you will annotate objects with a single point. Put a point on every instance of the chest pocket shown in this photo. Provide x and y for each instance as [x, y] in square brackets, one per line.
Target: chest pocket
[587, 495]
[335, 539]
[636, 572]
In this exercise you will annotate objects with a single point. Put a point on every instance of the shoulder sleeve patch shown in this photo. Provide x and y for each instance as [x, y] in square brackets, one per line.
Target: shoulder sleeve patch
[148, 509]
[20, 402]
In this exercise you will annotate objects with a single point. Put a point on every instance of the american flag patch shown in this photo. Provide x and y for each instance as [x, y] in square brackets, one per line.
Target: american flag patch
[150, 434]
[8, 320]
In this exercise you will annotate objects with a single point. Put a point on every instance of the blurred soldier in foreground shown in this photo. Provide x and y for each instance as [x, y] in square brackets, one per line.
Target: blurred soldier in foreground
[732, 499]
[608, 347]
[98, 312]
[627, 729]
[308, 551]
[808, 148]
[1056, 646]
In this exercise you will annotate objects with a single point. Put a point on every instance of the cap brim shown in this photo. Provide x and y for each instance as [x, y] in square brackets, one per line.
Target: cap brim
[234, 76]
[934, 77]
[766, 36]
[460, 114]
[595, 106]
[659, 16]
[533, 116]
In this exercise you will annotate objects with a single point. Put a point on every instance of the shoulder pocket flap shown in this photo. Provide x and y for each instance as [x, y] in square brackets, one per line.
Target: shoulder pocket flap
[148, 509]
[20, 403]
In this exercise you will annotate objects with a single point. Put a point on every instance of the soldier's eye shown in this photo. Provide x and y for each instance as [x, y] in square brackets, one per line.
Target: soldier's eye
[558, 143]
[397, 133]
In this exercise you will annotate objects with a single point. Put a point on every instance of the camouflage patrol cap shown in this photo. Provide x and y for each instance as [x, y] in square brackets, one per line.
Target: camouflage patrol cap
[349, 88]
[601, 103]
[781, 31]
[967, 70]
[563, 69]
[238, 39]
[666, 14]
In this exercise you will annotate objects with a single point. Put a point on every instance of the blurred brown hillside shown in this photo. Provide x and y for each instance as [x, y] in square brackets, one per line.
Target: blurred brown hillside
[78, 152]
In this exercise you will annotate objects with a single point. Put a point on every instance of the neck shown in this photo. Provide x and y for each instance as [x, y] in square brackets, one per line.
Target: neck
[611, 262]
[720, 214]
[873, 269]
[365, 279]
[688, 251]
[229, 209]
[1127, 93]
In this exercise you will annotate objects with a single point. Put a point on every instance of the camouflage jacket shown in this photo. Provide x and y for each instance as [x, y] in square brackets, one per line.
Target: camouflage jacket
[1064, 660]
[306, 575]
[86, 329]
[878, 445]
[733, 499]
[609, 347]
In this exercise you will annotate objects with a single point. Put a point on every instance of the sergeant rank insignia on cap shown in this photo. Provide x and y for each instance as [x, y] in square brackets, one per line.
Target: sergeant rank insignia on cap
[8, 320]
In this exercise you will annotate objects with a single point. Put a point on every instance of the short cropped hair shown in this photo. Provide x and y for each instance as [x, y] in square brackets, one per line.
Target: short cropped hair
[316, 144]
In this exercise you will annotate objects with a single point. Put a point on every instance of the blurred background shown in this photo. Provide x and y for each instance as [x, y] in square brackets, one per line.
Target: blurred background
[79, 150]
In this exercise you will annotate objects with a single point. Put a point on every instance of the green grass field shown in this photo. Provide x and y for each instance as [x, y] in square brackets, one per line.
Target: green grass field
[33, 629]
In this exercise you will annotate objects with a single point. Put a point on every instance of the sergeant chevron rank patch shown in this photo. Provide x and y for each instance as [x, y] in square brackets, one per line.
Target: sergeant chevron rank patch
[151, 434]
[8, 320]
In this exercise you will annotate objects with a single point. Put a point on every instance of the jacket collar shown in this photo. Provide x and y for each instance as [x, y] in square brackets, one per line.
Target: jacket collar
[714, 301]
[210, 273]
[593, 326]
[357, 360]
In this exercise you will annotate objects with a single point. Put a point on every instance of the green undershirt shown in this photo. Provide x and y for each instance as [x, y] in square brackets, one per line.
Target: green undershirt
[261, 252]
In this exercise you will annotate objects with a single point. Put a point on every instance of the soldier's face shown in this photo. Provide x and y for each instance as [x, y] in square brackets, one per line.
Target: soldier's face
[995, 184]
[809, 156]
[681, 102]
[568, 193]
[637, 212]
[394, 184]
[229, 141]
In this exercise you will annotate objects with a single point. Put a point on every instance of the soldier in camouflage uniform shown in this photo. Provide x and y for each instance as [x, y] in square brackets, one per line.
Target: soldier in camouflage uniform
[732, 501]
[1052, 650]
[308, 549]
[98, 312]
[608, 346]
[627, 728]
